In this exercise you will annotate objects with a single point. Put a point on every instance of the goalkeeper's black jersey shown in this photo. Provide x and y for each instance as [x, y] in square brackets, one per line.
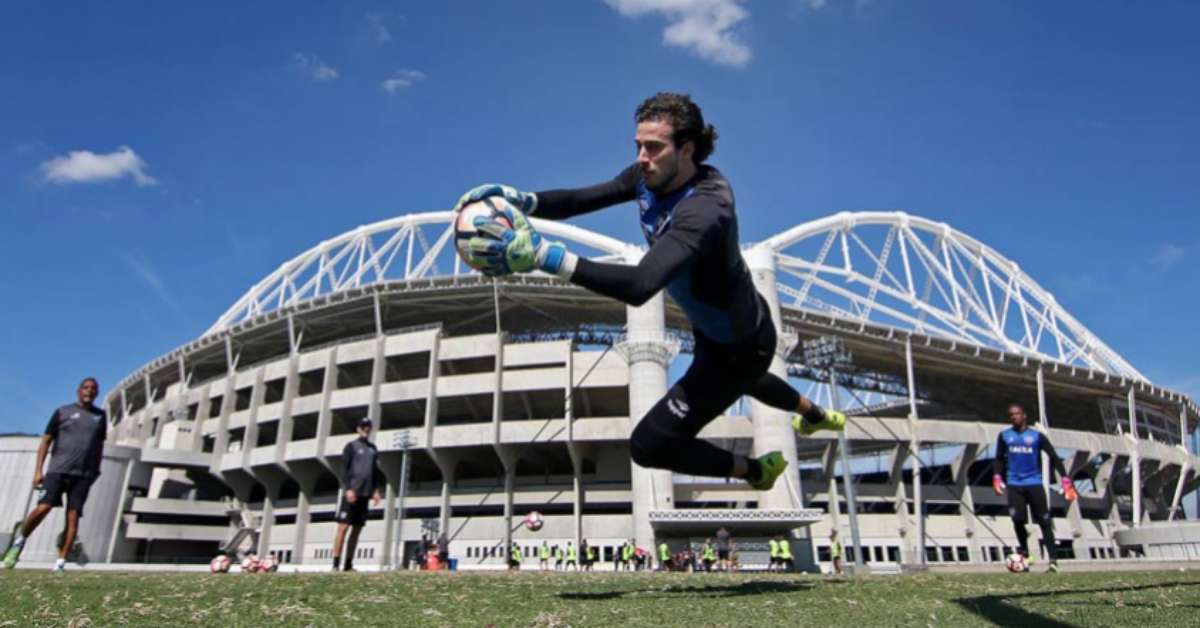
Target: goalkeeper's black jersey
[694, 251]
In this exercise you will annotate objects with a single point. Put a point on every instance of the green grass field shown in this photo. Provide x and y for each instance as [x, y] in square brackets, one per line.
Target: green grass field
[29, 598]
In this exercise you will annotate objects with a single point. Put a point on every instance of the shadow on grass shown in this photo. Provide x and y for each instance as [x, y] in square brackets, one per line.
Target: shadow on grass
[1000, 609]
[728, 590]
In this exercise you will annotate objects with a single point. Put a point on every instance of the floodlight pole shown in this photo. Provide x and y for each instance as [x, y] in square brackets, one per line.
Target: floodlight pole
[405, 442]
[847, 475]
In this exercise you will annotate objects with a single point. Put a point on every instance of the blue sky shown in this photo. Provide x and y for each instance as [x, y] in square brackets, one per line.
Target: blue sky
[156, 159]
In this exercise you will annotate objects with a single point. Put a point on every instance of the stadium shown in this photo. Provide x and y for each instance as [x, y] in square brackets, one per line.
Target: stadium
[494, 398]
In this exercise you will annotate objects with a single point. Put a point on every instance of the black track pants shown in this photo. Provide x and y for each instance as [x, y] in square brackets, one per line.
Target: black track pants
[720, 374]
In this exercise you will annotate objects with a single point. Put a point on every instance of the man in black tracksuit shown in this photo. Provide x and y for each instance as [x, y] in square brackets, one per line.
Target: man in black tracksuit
[688, 219]
[362, 480]
[74, 438]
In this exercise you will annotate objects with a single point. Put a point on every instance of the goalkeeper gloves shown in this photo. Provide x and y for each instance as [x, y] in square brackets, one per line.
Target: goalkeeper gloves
[998, 484]
[1068, 488]
[525, 202]
[520, 249]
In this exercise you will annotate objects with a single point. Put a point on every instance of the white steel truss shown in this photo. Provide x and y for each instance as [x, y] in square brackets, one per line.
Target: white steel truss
[883, 268]
[416, 246]
[910, 273]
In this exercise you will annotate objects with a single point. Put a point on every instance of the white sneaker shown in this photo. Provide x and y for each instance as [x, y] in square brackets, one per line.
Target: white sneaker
[60, 566]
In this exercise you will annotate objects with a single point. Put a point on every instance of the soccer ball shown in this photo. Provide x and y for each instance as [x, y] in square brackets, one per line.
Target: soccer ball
[268, 564]
[1017, 563]
[491, 208]
[533, 521]
[250, 564]
[219, 564]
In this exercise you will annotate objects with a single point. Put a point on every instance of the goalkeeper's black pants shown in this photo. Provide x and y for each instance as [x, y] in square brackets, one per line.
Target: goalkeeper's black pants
[1031, 498]
[666, 437]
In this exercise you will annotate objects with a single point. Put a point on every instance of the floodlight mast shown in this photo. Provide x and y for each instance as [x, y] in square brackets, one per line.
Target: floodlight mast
[827, 353]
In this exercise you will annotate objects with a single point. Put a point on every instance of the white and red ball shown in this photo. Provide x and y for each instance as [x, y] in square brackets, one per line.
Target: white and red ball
[491, 208]
[534, 521]
[268, 564]
[1016, 563]
[219, 564]
[250, 564]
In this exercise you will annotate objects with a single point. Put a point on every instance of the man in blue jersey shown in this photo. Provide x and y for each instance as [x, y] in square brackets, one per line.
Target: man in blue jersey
[688, 218]
[1017, 470]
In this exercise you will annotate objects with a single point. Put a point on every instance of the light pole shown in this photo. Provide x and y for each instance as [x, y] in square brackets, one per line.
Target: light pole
[828, 353]
[402, 441]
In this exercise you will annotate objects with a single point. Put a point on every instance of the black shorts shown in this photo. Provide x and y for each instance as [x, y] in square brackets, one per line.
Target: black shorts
[354, 514]
[1033, 497]
[75, 487]
[723, 554]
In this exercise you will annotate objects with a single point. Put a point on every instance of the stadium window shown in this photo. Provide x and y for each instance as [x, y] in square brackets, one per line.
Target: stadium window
[1092, 552]
[214, 406]
[879, 553]
[947, 554]
[964, 556]
[893, 554]
[311, 382]
[931, 554]
[242, 399]
[850, 555]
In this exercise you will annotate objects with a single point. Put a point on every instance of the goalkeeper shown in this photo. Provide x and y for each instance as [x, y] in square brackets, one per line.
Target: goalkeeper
[1017, 471]
[688, 219]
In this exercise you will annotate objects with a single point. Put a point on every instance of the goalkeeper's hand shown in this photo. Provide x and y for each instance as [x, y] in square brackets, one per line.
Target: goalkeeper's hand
[520, 249]
[998, 484]
[1068, 488]
[526, 202]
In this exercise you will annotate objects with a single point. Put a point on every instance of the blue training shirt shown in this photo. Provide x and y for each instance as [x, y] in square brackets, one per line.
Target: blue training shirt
[1022, 455]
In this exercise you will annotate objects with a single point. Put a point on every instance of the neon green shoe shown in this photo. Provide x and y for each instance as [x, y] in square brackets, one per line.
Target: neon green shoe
[834, 420]
[772, 464]
[11, 557]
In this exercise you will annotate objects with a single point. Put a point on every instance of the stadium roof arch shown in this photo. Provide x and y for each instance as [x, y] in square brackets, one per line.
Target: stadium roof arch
[881, 268]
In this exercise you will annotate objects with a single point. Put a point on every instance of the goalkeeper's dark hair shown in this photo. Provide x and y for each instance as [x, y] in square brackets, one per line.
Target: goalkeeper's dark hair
[684, 117]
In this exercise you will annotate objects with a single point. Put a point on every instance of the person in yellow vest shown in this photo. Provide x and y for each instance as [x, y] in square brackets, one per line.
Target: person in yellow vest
[544, 556]
[591, 557]
[835, 552]
[572, 556]
[774, 565]
[558, 558]
[664, 557]
[627, 555]
[514, 557]
[708, 554]
[786, 561]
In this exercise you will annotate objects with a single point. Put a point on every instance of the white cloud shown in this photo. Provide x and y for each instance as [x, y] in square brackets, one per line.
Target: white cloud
[401, 79]
[379, 30]
[84, 166]
[313, 66]
[704, 27]
[1166, 256]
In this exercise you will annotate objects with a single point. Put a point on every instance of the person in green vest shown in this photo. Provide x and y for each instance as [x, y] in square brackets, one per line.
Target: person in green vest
[786, 561]
[514, 557]
[664, 557]
[835, 552]
[544, 556]
[708, 554]
[775, 564]
[627, 555]
[558, 558]
[591, 557]
[572, 556]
